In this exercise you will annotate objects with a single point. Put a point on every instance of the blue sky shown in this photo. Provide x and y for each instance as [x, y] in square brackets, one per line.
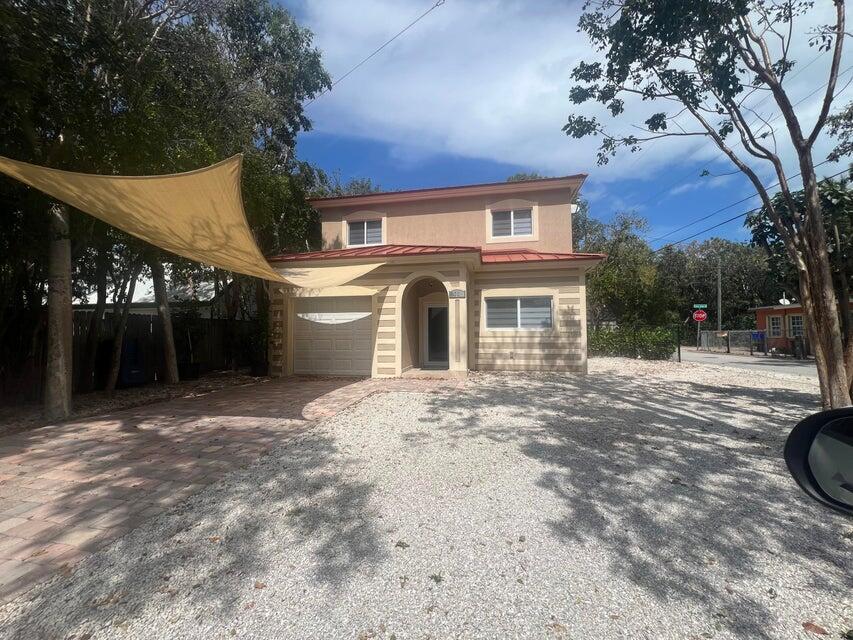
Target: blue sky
[478, 90]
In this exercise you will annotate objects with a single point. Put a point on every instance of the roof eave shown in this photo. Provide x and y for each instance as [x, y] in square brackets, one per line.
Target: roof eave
[573, 183]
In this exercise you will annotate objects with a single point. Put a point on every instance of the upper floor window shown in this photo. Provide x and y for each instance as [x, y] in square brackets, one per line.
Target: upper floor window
[364, 232]
[515, 222]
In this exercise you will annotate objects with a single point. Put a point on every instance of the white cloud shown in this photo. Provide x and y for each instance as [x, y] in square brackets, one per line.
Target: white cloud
[490, 79]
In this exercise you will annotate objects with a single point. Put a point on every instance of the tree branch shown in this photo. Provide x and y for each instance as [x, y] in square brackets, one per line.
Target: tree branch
[833, 73]
[792, 238]
[752, 62]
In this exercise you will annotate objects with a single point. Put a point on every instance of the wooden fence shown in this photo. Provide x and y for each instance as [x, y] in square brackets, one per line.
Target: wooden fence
[202, 344]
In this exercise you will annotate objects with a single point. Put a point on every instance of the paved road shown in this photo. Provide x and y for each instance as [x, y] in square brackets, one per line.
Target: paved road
[755, 363]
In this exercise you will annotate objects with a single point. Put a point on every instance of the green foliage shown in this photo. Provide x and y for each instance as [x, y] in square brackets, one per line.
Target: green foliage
[708, 58]
[331, 186]
[523, 176]
[836, 199]
[644, 343]
[146, 87]
[637, 285]
[587, 232]
[694, 54]
[623, 288]
[841, 126]
[689, 273]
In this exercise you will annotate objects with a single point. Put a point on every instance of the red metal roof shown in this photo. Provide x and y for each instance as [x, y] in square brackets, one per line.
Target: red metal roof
[379, 251]
[488, 256]
[528, 255]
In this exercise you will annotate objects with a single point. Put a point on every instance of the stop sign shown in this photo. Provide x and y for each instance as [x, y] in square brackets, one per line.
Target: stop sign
[700, 315]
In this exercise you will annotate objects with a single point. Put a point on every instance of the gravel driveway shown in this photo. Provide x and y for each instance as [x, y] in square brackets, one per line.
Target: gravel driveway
[641, 501]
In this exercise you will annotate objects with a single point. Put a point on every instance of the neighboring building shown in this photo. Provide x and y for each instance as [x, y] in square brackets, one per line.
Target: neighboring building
[782, 325]
[204, 308]
[201, 299]
[458, 278]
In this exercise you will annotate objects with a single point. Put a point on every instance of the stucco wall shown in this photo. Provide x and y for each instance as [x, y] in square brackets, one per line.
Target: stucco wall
[461, 221]
[389, 316]
[561, 348]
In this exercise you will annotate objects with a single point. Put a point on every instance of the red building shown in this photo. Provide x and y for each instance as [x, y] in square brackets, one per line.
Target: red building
[783, 325]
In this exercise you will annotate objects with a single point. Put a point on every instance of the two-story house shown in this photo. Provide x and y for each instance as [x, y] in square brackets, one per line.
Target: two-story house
[459, 278]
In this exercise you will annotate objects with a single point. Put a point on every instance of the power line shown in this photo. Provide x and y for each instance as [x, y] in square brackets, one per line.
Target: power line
[732, 219]
[728, 206]
[435, 6]
[739, 143]
[758, 104]
[776, 184]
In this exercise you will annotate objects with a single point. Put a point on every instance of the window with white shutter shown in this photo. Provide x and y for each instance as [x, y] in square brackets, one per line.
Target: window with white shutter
[534, 313]
[512, 223]
[501, 223]
[522, 222]
[373, 231]
[502, 313]
[527, 312]
[364, 232]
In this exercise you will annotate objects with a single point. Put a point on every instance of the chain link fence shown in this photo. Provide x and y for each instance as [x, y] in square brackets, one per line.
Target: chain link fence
[736, 341]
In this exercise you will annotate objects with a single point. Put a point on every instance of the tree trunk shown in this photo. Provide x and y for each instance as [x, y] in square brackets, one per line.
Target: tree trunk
[87, 377]
[118, 335]
[822, 308]
[58, 370]
[812, 332]
[829, 355]
[844, 309]
[161, 296]
[232, 294]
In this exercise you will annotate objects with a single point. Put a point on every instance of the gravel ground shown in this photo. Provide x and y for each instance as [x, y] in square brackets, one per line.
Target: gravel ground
[641, 501]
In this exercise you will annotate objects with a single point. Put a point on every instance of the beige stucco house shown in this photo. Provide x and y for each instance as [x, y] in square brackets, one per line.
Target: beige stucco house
[478, 277]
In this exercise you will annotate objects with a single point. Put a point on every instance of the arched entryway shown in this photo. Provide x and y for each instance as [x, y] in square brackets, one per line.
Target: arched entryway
[425, 325]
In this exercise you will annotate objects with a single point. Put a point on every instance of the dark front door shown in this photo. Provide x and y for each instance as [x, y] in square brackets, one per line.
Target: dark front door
[437, 336]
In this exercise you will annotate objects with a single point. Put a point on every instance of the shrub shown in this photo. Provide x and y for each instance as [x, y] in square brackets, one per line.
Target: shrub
[657, 343]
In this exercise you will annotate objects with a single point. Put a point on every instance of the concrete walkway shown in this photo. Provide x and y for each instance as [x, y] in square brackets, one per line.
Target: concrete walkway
[68, 490]
[788, 366]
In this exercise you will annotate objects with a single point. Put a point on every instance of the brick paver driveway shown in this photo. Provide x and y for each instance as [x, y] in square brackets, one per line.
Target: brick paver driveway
[69, 489]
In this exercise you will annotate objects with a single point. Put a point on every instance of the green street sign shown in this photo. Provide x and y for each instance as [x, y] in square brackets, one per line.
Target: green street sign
[700, 306]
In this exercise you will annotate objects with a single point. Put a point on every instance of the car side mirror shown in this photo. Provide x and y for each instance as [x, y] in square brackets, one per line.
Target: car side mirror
[819, 455]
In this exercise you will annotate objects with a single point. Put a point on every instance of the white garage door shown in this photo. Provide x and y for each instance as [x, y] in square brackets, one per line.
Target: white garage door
[333, 336]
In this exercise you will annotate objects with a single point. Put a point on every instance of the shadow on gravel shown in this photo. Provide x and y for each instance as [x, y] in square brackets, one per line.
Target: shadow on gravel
[682, 483]
[300, 496]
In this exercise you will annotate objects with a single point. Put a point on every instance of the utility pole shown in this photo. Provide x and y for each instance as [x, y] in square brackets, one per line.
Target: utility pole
[719, 293]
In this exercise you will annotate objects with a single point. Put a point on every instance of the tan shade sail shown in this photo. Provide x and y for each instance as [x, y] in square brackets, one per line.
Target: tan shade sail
[197, 215]
[323, 277]
[347, 290]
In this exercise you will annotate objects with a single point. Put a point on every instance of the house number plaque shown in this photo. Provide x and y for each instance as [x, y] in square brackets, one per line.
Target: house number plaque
[456, 293]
